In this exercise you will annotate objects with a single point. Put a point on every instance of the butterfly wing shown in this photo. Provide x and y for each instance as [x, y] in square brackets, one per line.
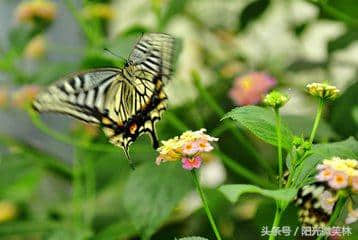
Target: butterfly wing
[125, 102]
[153, 54]
[140, 98]
[81, 95]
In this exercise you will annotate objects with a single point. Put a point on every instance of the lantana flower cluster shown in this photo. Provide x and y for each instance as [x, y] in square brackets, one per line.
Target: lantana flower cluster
[249, 89]
[30, 11]
[188, 148]
[323, 90]
[339, 173]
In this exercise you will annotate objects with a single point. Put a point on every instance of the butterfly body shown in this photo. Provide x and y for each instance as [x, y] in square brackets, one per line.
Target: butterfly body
[126, 102]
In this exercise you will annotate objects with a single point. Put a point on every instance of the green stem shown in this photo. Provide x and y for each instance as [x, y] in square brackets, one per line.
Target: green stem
[317, 119]
[276, 221]
[46, 161]
[90, 34]
[90, 191]
[66, 139]
[175, 122]
[279, 146]
[77, 191]
[244, 172]
[206, 206]
[234, 130]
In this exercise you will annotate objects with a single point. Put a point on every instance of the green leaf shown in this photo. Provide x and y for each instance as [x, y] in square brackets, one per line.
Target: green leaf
[123, 229]
[343, 41]
[302, 125]
[343, 149]
[151, 194]
[252, 11]
[193, 238]
[261, 122]
[342, 117]
[19, 177]
[234, 191]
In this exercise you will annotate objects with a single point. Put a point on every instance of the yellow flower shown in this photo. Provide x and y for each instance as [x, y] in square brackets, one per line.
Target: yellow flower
[322, 90]
[98, 10]
[8, 211]
[31, 11]
[36, 48]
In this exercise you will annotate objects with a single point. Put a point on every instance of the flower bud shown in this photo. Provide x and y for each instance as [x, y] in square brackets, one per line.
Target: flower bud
[275, 99]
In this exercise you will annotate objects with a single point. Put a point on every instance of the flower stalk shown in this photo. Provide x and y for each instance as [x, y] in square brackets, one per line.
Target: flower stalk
[317, 119]
[276, 221]
[205, 203]
[279, 146]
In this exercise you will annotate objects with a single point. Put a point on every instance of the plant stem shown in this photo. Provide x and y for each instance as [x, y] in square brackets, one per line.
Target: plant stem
[175, 122]
[279, 146]
[244, 172]
[77, 191]
[66, 139]
[317, 119]
[206, 206]
[90, 192]
[90, 34]
[276, 221]
[338, 209]
[46, 161]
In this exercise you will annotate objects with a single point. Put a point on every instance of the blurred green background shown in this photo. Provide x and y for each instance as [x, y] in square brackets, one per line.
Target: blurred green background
[60, 179]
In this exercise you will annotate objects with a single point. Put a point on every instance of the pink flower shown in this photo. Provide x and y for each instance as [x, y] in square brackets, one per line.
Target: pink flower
[190, 163]
[250, 88]
[339, 180]
[204, 146]
[325, 174]
[190, 148]
[355, 183]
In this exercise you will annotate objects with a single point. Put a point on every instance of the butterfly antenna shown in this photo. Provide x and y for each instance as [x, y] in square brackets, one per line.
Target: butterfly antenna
[114, 54]
[131, 163]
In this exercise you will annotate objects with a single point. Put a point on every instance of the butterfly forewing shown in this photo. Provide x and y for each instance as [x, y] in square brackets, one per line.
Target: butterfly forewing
[80, 95]
[125, 102]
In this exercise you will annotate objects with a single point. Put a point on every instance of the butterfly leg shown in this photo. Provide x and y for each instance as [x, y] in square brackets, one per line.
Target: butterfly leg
[154, 137]
[130, 161]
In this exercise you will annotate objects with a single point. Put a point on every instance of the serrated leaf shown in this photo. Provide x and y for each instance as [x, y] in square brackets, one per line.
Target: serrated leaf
[234, 191]
[152, 192]
[343, 149]
[261, 122]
